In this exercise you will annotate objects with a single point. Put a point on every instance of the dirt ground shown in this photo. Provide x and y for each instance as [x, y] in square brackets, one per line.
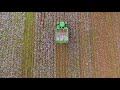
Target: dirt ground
[28, 48]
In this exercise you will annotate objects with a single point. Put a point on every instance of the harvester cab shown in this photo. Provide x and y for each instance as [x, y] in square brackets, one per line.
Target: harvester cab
[61, 32]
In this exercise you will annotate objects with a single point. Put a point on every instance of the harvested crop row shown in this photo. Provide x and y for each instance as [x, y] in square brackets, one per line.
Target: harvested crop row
[105, 48]
[85, 46]
[61, 51]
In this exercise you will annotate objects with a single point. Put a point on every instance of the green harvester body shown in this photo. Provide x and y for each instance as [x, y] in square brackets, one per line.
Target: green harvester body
[61, 32]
